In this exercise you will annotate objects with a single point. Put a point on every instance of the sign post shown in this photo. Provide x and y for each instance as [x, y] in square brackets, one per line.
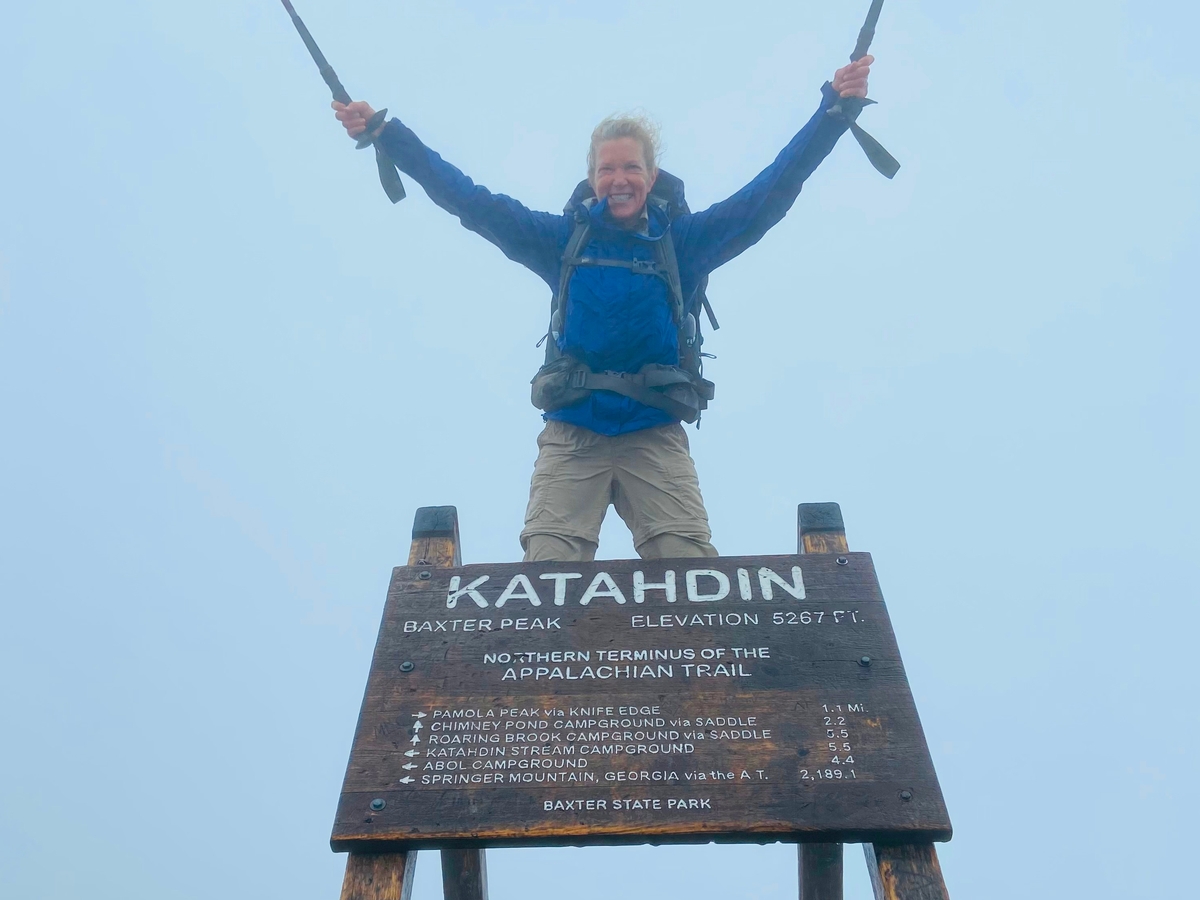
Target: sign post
[736, 699]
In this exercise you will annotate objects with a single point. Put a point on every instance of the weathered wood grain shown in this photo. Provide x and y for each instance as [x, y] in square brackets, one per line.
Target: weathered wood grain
[898, 872]
[379, 876]
[905, 872]
[820, 871]
[464, 875]
[389, 876]
[435, 540]
[820, 529]
[763, 774]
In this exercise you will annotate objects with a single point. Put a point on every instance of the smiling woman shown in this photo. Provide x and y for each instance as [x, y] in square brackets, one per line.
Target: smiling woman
[623, 163]
[622, 368]
[638, 126]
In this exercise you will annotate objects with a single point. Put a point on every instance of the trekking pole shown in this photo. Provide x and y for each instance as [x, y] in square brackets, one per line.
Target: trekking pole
[848, 108]
[389, 177]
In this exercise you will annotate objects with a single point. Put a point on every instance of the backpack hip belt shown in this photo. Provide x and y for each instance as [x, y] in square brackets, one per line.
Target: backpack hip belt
[566, 381]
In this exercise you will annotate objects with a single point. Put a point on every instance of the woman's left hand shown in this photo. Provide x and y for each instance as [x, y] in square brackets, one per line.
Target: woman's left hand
[851, 80]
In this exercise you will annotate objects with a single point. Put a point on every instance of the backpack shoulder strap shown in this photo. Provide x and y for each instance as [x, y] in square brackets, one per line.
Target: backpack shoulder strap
[664, 249]
[575, 243]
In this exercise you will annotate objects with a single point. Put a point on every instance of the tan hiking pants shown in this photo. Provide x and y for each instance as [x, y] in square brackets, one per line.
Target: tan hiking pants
[647, 475]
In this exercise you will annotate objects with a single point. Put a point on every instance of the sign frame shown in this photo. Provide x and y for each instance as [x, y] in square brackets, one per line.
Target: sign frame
[901, 802]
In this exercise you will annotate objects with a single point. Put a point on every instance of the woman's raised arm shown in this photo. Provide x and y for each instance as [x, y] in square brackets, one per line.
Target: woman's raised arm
[534, 239]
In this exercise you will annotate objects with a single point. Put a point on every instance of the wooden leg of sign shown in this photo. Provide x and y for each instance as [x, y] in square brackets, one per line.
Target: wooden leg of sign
[820, 872]
[899, 872]
[388, 876]
[820, 530]
[435, 538]
[435, 543]
[379, 876]
[464, 875]
[905, 872]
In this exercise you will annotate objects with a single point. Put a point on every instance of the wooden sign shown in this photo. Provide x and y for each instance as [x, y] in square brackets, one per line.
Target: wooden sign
[632, 701]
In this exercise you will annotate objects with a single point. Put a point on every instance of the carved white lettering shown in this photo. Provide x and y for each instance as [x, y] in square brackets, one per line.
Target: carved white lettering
[767, 577]
[525, 586]
[597, 589]
[469, 590]
[693, 591]
[640, 586]
[560, 580]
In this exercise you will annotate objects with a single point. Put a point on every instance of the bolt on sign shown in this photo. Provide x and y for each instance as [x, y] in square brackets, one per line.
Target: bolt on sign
[624, 701]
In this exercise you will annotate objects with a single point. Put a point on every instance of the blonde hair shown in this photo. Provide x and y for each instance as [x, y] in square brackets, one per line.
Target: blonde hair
[636, 125]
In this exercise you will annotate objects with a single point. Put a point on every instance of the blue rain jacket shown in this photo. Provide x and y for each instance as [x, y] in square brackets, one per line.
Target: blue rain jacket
[617, 320]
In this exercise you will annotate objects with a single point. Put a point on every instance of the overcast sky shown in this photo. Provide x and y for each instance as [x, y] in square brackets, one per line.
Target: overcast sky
[230, 371]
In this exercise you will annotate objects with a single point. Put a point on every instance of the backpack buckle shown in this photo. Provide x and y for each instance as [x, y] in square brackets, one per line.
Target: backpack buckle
[644, 267]
[578, 378]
